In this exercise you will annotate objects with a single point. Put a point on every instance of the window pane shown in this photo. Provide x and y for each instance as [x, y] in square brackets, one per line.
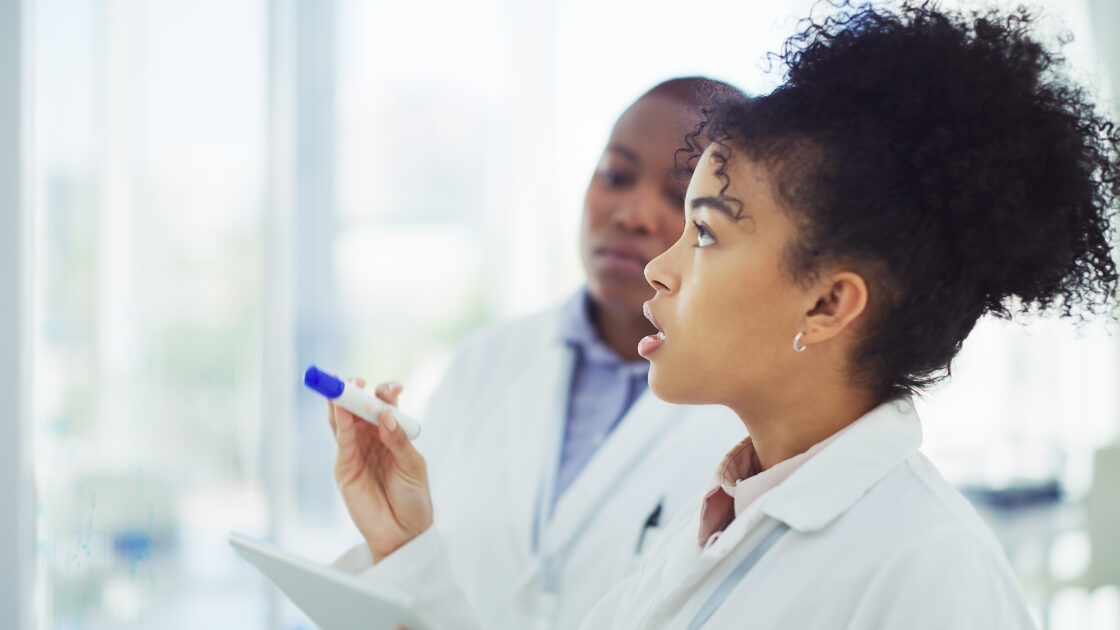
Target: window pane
[150, 125]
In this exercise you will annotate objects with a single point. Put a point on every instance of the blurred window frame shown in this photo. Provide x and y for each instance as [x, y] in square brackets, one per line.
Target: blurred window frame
[17, 249]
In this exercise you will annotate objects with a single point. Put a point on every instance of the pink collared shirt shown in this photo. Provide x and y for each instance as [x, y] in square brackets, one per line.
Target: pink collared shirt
[740, 480]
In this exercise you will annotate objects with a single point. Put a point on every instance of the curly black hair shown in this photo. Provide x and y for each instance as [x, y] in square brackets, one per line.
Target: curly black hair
[943, 156]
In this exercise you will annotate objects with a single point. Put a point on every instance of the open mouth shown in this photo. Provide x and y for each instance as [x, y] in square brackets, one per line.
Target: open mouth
[650, 343]
[653, 320]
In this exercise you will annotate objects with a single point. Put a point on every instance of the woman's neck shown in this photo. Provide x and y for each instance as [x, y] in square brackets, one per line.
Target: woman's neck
[780, 430]
[620, 329]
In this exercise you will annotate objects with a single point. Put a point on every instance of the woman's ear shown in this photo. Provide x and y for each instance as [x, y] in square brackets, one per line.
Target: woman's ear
[840, 299]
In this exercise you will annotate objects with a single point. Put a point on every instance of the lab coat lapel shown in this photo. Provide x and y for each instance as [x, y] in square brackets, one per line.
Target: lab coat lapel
[647, 419]
[686, 569]
[539, 405]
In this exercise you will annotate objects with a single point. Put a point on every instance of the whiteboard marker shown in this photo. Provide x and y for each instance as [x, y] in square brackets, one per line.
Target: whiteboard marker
[356, 400]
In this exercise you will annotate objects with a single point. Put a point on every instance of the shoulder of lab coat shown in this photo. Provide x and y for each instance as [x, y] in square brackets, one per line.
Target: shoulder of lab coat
[933, 562]
[470, 375]
[419, 568]
[506, 342]
[951, 573]
[948, 581]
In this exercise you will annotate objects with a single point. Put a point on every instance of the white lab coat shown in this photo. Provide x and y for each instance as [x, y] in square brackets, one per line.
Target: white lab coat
[491, 434]
[876, 540]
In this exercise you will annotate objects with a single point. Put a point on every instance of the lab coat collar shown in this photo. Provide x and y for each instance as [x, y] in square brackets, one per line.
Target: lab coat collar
[834, 479]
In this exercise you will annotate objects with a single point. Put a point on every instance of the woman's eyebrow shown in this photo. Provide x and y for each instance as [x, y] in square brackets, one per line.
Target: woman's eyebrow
[717, 203]
[624, 152]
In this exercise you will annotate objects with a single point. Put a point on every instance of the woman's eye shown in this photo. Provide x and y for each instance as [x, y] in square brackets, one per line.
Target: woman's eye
[615, 179]
[703, 235]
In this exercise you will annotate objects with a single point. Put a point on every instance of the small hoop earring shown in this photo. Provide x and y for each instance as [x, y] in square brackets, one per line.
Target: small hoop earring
[795, 341]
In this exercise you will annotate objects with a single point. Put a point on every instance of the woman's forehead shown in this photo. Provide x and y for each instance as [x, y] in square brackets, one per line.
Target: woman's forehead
[656, 120]
[728, 179]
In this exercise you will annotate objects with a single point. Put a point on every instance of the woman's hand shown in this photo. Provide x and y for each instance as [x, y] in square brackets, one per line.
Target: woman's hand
[383, 479]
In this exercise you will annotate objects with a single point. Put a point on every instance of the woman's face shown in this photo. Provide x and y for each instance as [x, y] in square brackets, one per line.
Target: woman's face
[634, 207]
[727, 309]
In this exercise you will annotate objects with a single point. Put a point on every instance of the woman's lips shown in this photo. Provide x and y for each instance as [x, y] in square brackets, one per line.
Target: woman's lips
[621, 259]
[650, 343]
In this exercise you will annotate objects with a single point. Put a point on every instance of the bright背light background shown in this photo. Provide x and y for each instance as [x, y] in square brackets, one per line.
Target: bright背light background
[222, 193]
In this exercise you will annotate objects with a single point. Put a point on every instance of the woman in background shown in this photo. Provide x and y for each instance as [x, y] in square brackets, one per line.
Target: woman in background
[552, 466]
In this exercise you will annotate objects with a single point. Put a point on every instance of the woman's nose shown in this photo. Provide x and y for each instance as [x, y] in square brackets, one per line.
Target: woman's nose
[661, 272]
[638, 213]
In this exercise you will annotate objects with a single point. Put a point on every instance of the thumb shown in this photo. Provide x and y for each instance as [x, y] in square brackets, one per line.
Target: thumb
[393, 435]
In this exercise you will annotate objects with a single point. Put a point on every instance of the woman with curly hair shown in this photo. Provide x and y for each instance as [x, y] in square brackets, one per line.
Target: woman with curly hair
[916, 170]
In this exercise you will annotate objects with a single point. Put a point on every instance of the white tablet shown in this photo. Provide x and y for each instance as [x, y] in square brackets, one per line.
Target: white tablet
[333, 599]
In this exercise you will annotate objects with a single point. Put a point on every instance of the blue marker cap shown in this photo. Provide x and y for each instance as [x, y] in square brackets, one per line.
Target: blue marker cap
[323, 383]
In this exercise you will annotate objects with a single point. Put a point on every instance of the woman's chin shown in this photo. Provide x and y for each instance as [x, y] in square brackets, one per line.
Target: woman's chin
[678, 391]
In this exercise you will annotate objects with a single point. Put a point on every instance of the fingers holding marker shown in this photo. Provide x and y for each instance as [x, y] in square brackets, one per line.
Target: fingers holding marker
[389, 392]
[342, 412]
[346, 435]
[389, 420]
[396, 438]
[390, 431]
[342, 418]
[350, 399]
[331, 420]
